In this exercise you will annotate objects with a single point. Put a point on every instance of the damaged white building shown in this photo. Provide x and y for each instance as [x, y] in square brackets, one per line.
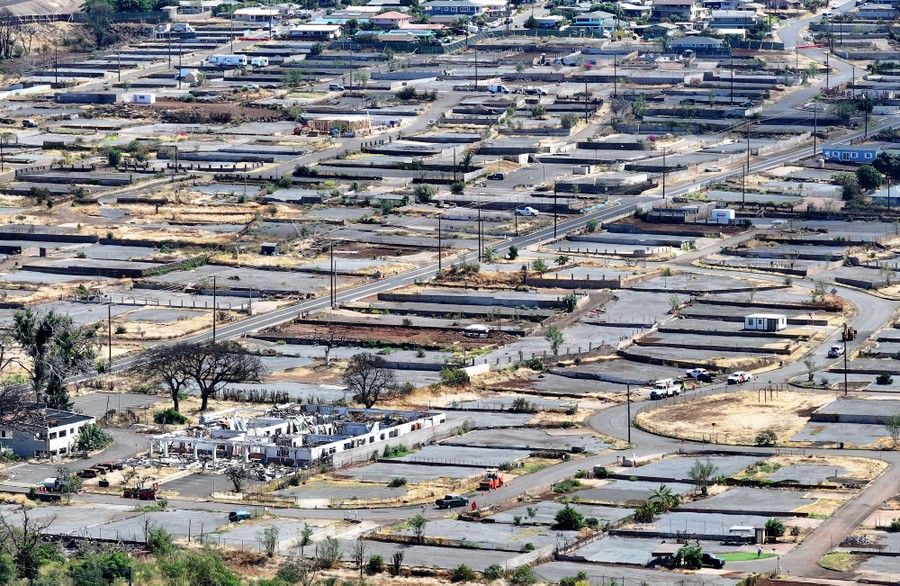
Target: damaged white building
[296, 435]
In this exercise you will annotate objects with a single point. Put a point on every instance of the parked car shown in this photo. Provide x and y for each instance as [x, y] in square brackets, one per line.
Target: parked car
[835, 351]
[335, 87]
[496, 176]
[527, 211]
[29, 123]
[450, 501]
[706, 377]
[713, 169]
[250, 87]
[696, 372]
[711, 560]
[236, 516]
[738, 378]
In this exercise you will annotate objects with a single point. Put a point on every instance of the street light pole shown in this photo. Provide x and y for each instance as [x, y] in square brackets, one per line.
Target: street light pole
[664, 177]
[628, 408]
[214, 310]
[440, 246]
[554, 209]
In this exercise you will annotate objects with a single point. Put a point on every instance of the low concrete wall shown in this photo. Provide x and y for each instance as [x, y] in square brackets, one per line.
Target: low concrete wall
[411, 440]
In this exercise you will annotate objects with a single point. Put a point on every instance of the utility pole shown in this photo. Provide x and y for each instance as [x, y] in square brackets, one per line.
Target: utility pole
[664, 177]
[554, 209]
[585, 101]
[231, 32]
[119, 65]
[866, 135]
[169, 36]
[744, 179]
[179, 69]
[440, 246]
[516, 216]
[480, 236]
[827, 71]
[476, 70]
[628, 409]
[332, 280]
[615, 76]
[214, 310]
[845, 359]
[815, 129]
[853, 82]
[109, 333]
[732, 83]
[56, 64]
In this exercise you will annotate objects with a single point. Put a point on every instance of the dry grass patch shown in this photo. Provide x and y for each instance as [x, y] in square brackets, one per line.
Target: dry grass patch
[736, 418]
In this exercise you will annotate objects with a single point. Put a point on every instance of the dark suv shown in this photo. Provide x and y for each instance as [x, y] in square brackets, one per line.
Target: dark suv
[711, 560]
[450, 501]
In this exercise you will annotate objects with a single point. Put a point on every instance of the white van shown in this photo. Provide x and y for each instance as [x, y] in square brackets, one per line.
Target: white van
[496, 88]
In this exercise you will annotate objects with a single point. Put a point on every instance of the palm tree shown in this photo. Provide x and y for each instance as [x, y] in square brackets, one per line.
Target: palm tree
[663, 499]
[465, 160]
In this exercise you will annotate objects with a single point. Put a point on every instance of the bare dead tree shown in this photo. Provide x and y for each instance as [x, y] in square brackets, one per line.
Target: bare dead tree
[166, 365]
[238, 475]
[10, 29]
[368, 378]
[20, 541]
[209, 366]
[331, 341]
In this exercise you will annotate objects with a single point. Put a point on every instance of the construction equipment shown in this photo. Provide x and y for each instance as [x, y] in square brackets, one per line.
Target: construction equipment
[848, 334]
[143, 494]
[492, 479]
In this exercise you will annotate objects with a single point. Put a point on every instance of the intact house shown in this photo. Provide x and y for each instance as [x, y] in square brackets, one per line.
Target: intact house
[315, 32]
[851, 153]
[298, 435]
[732, 19]
[695, 43]
[42, 432]
[602, 22]
[635, 11]
[677, 10]
[391, 20]
[258, 14]
[452, 9]
[765, 322]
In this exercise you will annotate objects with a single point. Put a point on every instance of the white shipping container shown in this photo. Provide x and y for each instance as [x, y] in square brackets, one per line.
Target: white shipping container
[722, 216]
[144, 98]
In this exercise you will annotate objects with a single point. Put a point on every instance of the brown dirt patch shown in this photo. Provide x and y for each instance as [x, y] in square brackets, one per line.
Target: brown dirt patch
[422, 337]
[734, 418]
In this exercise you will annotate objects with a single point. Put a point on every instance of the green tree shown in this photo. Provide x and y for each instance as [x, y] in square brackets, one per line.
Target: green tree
[292, 77]
[7, 570]
[561, 260]
[198, 568]
[114, 157]
[568, 519]
[539, 266]
[522, 576]
[269, 538]
[531, 22]
[888, 164]
[91, 437]
[663, 499]
[100, 569]
[774, 528]
[418, 526]
[555, 338]
[424, 193]
[869, 178]
[849, 184]
[892, 425]
[57, 349]
[690, 557]
[98, 15]
[513, 252]
[703, 473]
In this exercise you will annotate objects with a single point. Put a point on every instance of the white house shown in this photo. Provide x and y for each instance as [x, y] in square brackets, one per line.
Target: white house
[765, 322]
[42, 432]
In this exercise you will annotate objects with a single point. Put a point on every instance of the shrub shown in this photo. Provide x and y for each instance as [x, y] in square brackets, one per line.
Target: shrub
[375, 565]
[169, 417]
[774, 528]
[766, 438]
[463, 573]
[894, 527]
[407, 93]
[454, 377]
[884, 379]
[568, 518]
[397, 482]
[493, 572]
[592, 522]
[424, 193]
[535, 364]
[513, 252]
[457, 187]
[591, 226]
[528, 547]
[91, 437]
[522, 576]
[576, 580]
[690, 556]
